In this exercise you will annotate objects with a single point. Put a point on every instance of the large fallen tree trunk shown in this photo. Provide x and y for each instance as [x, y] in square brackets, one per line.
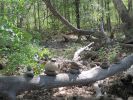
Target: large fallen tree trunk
[11, 85]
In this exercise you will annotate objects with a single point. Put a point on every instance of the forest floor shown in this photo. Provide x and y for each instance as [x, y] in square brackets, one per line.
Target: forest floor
[112, 87]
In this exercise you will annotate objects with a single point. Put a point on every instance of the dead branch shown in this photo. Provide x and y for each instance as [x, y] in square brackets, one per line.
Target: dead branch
[79, 51]
[127, 45]
[11, 85]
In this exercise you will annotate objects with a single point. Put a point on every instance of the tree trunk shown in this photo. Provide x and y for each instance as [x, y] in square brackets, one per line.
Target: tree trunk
[75, 30]
[11, 85]
[2, 8]
[108, 16]
[20, 21]
[125, 17]
[77, 2]
[35, 20]
[130, 8]
[123, 12]
[38, 12]
[130, 5]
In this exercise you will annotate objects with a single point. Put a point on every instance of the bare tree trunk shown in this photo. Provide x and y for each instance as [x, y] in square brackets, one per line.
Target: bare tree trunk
[125, 17]
[57, 14]
[130, 8]
[77, 3]
[69, 25]
[123, 13]
[27, 23]
[35, 20]
[108, 16]
[2, 8]
[38, 12]
[130, 5]
[19, 21]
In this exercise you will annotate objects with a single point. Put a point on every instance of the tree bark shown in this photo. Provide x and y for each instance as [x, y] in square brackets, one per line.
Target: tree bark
[69, 25]
[130, 5]
[108, 16]
[2, 7]
[123, 12]
[125, 17]
[77, 3]
[38, 13]
[11, 85]
[35, 19]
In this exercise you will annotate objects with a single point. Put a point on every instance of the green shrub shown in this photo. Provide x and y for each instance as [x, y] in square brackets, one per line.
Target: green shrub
[17, 46]
[109, 53]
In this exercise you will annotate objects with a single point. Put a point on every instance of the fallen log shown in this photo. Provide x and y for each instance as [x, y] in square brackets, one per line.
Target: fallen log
[127, 45]
[11, 85]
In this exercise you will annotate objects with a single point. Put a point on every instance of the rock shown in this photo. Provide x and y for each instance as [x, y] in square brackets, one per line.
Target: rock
[127, 79]
[130, 98]
[129, 71]
[1, 66]
[87, 54]
[51, 73]
[51, 68]
[29, 73]
[105, 64]
[74, 65]
[92, 65]
[118, 99]
[74, 71]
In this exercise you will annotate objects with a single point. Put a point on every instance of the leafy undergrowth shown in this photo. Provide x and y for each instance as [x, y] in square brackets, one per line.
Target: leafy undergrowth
[18, 50]
[112, 87]
[66, 52]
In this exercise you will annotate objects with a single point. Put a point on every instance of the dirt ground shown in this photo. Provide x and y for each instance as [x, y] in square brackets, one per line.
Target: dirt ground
[112, 88]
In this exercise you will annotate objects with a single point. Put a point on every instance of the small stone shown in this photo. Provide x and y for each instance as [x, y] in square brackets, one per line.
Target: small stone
[127, 79]
[62, 92]
[118, 99]
[51, 66]
[1, 66]
[61, 88]
[29, 68]
[51, 73]
[29, 72]
[130, 98]
[53, 60]
[74, 65]
[105, 64]
[92, 65]
[74, 71]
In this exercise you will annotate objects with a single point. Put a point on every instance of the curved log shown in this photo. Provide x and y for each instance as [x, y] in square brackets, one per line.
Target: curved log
[11, 85]
[75, 30]
[79, 51]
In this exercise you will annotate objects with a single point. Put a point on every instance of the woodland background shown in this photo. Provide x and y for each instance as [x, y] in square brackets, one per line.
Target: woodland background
[30, 29]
